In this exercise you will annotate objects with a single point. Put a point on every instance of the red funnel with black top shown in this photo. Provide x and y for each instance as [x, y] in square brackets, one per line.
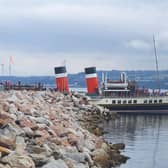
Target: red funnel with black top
[91, 80]
[61, 79]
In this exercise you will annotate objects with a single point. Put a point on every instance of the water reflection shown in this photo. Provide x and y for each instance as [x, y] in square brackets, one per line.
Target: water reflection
[145, 136]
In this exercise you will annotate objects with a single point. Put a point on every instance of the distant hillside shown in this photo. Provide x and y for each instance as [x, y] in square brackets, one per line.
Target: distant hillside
[144, 78]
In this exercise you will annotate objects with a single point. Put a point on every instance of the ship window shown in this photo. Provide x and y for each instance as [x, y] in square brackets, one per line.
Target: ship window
[160, 101]
[135, 101]
[119, 101]
[124, 102]
[150, 101]
[114, 102]
[129, 101]
[155, 101]
[145, 101]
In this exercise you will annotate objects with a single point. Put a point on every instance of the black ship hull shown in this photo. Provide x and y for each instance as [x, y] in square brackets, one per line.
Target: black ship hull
[138, 108]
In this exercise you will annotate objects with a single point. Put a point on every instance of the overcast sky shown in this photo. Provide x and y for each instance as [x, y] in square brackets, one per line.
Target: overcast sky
[108, 34]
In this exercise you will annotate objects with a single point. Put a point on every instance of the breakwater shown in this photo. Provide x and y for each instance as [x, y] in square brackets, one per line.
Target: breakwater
[46, 129]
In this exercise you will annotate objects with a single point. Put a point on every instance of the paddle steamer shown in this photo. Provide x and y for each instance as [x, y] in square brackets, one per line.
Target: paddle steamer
[123, 95]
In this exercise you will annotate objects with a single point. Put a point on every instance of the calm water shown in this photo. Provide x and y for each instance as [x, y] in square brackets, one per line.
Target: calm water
[146, 139]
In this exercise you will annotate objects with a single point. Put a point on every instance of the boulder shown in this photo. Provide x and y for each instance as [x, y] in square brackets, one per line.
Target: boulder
[20, 145]
[39, 159]
[5, 115]
[89, 144]
[41, 133]
[12, 109]
[4, 166]
[4, 150]
[78, 157]
[80, 165]
[12, 98]
[4, 122]
[41, 120]
[56, 164]
[28, 132]
[36, 149]
[101, 157]
[25, 122]
[118, 146]
[15, 160]
[7, 137]
[25, 109]
[5, 106]
[73, 139]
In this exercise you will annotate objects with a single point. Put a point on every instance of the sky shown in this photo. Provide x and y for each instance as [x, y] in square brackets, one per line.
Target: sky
[108, 34]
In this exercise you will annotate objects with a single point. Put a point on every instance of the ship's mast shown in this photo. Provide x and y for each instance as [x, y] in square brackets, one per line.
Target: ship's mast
[157, 66]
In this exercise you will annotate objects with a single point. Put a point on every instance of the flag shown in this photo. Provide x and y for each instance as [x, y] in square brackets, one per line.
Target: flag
[11, 60]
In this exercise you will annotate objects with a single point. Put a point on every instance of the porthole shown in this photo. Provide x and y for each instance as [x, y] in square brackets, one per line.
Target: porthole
[160, 101]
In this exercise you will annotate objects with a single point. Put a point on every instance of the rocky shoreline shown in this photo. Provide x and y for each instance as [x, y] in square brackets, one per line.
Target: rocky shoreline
[45, 129]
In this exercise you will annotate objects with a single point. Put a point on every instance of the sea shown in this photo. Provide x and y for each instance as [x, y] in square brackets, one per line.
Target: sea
[145, 137]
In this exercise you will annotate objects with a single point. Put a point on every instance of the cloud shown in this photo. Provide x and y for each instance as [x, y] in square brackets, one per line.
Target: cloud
[106, 33]
[139, 45]
[94, 12]
[162, 41]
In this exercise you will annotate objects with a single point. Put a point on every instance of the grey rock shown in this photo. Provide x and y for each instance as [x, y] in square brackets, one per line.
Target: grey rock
[78, 157]
[13, 116]
[5, 106]
[39, 159]
[119, 146]
[57, 155]
[18, 161]
[12, 109]
[56, 164]
[4, 166]
[14, 129]
[36, 149]
[88, 159]
[56, 152]
[41, 120]
[20, 140]
[12, 98]
[7, 137]
[20, 144]
[89, 144]
[28, 131]
[48, 150]
[80, 165]
[19, 115]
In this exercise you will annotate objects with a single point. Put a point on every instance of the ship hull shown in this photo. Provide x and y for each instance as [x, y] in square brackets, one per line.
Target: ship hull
[143, 109]
[135, 105]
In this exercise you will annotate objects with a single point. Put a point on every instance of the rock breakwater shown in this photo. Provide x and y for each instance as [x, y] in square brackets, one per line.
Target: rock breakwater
[43, 130]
